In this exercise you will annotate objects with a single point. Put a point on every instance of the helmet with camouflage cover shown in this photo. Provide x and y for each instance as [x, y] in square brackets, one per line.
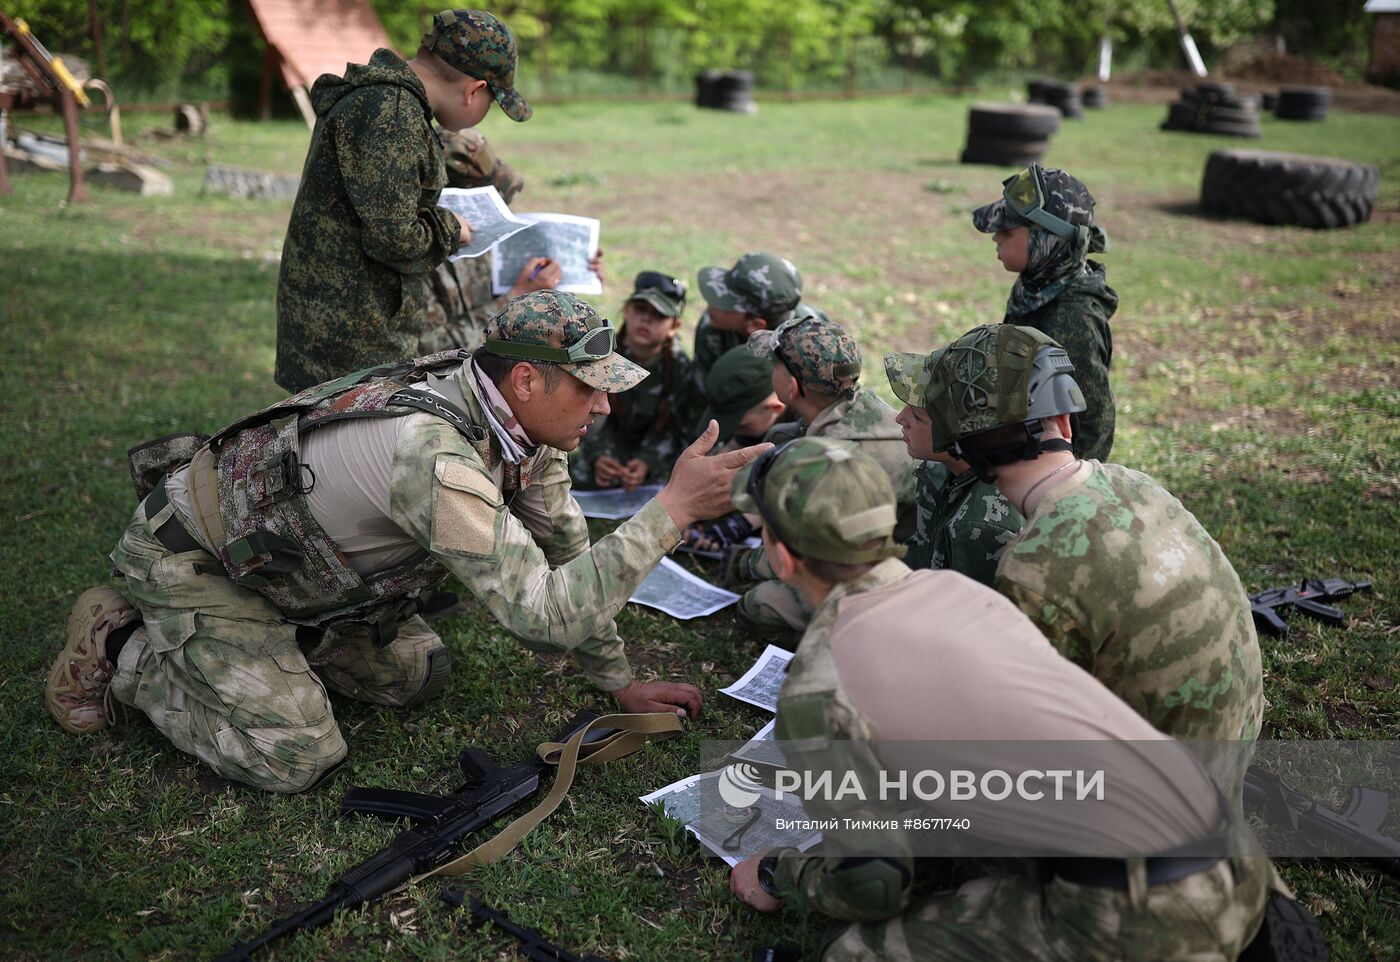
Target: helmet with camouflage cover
[995, 376]
[823, 498]
[816, 351]
[761, 284]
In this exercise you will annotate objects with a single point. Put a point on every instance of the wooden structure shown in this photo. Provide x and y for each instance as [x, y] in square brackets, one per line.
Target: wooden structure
[1384, 63]
[53, 85]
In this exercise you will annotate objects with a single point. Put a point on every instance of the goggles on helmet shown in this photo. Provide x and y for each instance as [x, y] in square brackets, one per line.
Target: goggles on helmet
[1024, 195]
[594, 345]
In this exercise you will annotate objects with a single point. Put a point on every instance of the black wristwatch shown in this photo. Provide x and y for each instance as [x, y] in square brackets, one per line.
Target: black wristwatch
[767, 867]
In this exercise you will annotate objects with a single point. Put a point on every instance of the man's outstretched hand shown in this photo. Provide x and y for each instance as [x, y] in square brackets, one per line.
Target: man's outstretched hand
[699, 485]
[648, 696]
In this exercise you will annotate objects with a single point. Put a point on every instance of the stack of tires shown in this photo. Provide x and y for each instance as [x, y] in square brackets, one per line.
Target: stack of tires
[1064, 97]
[1009, 135]
[1095, 98]
[1303, 103]
[1276, 188]
[1214, 108]
[730, 90]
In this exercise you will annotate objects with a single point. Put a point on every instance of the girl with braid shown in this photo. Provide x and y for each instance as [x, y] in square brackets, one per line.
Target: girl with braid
[647, 428]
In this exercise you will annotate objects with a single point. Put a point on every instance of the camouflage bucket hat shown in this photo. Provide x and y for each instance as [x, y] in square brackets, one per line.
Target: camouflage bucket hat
[763, 284]
[1062, 195]
[558, 327]
[823, 498]
[984, 379]
[816, 351]
[736, 384]
[480, 46]
[909, 374]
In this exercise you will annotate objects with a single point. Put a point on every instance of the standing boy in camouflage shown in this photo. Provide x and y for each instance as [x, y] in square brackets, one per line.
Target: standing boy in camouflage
[1044, 231]
[816, 373]
[961, 522]
[365, 229]
[894, 658]
[1115, 571]
[757, 294]
[287, 556]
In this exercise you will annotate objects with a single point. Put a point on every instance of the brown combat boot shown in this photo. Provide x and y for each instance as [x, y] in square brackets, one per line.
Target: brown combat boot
[81, 676]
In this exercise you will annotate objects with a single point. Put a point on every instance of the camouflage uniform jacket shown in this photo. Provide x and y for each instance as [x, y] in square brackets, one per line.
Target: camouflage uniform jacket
[960, 523]
[460, 300]
[711, 342]
[628, 433]
[869, 423]
[1125, 582]
[1078, 318]
[365, 228]
[814, 717]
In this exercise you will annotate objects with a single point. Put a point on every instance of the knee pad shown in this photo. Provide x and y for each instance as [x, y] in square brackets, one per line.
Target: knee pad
[435, 677]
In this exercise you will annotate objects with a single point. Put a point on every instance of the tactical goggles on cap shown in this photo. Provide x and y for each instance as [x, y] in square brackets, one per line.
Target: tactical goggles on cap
[670, 287]
[594, 345]
[1024, 195]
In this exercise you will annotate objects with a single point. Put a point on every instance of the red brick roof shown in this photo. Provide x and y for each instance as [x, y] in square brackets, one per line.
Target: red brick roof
[312, 37]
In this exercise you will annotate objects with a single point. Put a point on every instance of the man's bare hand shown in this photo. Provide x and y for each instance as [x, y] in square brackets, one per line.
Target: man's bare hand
[595, 264]
[538, 274]
[650, 696]
[466, 236]
[607, 471]
[634, 472]
[743, 882]
[699, 485]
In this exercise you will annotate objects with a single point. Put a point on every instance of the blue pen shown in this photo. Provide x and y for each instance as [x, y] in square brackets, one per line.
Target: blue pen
[536, 272]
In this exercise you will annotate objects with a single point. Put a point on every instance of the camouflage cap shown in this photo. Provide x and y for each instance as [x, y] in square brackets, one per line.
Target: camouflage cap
[472, 162]
[735, 385]
[909, 373]
[554, 319]
[816, 351]
[661, 291]
[1065, 196]
[762, 284]
[997, 375]
[823, 498]
[480, 46]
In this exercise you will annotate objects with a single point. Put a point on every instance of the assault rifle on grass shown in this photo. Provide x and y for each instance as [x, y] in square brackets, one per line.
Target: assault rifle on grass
[441, 821]
[1357, 828]
[1270, 607]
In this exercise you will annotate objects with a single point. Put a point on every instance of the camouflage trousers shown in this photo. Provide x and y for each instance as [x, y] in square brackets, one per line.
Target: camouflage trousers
[1206, 917]
[218, 670]
[773, 604]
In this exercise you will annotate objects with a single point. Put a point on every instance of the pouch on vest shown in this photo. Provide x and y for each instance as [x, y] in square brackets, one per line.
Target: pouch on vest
[154, 459]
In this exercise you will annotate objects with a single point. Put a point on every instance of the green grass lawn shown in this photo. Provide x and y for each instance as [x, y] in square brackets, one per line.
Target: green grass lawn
[1258, 377]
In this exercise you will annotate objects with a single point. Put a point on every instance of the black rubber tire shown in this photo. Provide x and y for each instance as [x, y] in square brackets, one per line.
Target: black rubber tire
[1006, 146]
[705, 88]
[1020, 121]
[1306, 95]
[734, 91]
[1268, 101]
[1276, 188]
[1214, 88]
[972, 154]
[1095, 98]
[1303, 103]
[1289, 934]
[1038, 90]
[1068, 105]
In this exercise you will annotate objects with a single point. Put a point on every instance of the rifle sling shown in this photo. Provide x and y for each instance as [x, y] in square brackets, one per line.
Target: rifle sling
[632, 732]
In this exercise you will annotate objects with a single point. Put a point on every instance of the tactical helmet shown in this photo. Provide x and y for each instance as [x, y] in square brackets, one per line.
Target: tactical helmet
[994, 376]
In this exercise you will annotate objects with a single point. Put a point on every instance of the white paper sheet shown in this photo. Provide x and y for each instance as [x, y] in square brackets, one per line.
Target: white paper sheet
[696, 802]
[760, 684]
[570, 240]
[680, 594]
[486, 211]
[615, 503]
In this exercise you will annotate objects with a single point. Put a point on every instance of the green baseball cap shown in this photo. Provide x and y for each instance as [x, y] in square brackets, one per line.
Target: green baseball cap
[661, 291]
[480, 46]
[997, 375]
[555, 326]
[908, 374]
[823, 498]
[737, 383]
[762, 284]
[816, 351]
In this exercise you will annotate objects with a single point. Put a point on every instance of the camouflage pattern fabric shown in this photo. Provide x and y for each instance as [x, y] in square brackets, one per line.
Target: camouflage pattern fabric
[711, 343]
[460, 301]
[762, 284]
[365, 228]
[630, 430]
[818, 352]
[1078, 320]
[480, 46]
[554, 319]
[1125, 582]
[1065, 196]
[961, 523]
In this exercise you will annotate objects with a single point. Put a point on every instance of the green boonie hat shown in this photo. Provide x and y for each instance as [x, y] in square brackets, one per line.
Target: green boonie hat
[480, 46]
[816, 351]
[908, 374]
[762, 284]
[997, 375]
[736, 384]
[554, 319]
[823, 498]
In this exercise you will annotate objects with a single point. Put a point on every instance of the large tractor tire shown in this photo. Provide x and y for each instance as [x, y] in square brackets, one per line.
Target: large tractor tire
[1277, 188]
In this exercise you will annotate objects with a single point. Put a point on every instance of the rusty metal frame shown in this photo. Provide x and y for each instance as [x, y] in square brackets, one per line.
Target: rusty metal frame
[35, 64]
